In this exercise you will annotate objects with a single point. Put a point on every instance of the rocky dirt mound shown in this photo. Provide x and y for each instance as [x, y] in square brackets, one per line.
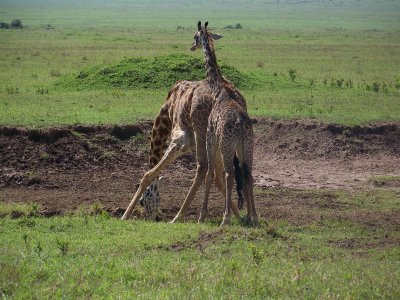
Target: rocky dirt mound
[310, 139]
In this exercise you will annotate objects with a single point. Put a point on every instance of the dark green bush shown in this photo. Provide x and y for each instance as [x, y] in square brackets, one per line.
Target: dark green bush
[4, 25]
[16, 23]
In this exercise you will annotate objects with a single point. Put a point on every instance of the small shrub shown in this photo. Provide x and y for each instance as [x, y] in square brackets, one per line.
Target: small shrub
[385, 88]
[397, 84]
[292, 74]
[25, 238]
[82, 75]
[375, 87]
[16, 23]
[256, 254]
[55, 73]
[237, 26]
[339, 83]
[4, 25]
[42, 90]
[63, 247]
[349, 83]
[12, 90]
[38, 248]
[260, 64]
[34, 210]
[44, 156]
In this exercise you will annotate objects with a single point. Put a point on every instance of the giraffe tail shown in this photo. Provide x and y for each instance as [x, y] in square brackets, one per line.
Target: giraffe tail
[240, 174]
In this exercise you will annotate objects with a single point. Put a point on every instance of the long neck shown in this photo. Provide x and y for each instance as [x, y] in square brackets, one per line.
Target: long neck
[214, 76]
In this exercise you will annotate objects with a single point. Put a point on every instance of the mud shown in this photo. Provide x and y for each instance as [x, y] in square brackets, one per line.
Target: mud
[66, 168]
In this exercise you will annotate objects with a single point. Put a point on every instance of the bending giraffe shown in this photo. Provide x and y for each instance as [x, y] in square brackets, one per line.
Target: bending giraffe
[229, 131]
[184, 119]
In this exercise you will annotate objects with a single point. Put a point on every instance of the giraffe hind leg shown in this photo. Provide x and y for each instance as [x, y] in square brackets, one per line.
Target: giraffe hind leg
[227, 158]
[212, 150]
[251, 216]
[220, 182]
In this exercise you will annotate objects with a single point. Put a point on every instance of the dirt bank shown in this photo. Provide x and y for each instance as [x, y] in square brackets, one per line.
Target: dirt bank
[67, 167]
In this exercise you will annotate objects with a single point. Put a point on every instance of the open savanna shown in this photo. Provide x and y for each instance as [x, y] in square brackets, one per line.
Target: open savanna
[333, 61]
[341, 69]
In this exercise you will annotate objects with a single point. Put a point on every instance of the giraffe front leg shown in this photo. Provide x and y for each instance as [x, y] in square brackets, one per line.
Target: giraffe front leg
[200, 174]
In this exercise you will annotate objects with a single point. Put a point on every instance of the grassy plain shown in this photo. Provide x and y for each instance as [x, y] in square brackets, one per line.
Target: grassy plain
[95, 256]
[341, 69]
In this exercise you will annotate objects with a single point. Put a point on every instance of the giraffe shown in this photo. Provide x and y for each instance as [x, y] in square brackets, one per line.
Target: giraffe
[183, 118]
[229, 131]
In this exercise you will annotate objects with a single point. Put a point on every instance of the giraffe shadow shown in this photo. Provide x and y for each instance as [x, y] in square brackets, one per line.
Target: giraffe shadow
[242, 222]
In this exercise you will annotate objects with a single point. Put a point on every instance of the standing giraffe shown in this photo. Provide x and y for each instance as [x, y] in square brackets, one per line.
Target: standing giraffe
[183, 118]
[229, 131]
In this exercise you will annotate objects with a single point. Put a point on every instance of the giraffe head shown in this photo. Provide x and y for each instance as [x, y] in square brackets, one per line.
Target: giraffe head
[203, 36]
[150, 199]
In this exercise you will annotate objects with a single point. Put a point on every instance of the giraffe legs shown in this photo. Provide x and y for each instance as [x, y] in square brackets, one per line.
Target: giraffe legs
[219, 179]
[211, 155]
[251, 215]
[201, 171]
[170, 155]
[229, 181]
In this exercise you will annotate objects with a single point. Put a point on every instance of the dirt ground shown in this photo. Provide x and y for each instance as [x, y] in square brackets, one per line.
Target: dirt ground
[298, 163]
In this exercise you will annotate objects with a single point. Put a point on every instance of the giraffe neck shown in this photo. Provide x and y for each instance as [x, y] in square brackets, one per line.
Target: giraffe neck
[214, 76]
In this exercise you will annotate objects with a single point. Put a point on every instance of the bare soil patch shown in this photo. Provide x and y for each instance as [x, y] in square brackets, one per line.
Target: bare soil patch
[297, 164]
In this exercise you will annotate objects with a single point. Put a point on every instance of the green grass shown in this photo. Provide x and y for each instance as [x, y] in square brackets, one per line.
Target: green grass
[345, 65]
[97, 256]
[346, 253]
[385, 180]
[7, 209]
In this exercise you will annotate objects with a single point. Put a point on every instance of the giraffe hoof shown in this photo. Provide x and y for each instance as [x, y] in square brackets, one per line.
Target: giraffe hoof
[254, 222]
[202, 217]
[225, 223]
[177, 219]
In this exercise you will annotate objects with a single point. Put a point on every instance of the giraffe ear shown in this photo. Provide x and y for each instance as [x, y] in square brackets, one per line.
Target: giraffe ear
[199, 26]
[216, 36]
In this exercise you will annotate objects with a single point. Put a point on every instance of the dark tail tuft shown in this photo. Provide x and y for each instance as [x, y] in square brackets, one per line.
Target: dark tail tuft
[240, 177]
[246, 172]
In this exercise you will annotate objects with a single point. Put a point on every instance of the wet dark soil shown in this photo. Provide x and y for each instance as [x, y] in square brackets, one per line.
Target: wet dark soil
[69, 167]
